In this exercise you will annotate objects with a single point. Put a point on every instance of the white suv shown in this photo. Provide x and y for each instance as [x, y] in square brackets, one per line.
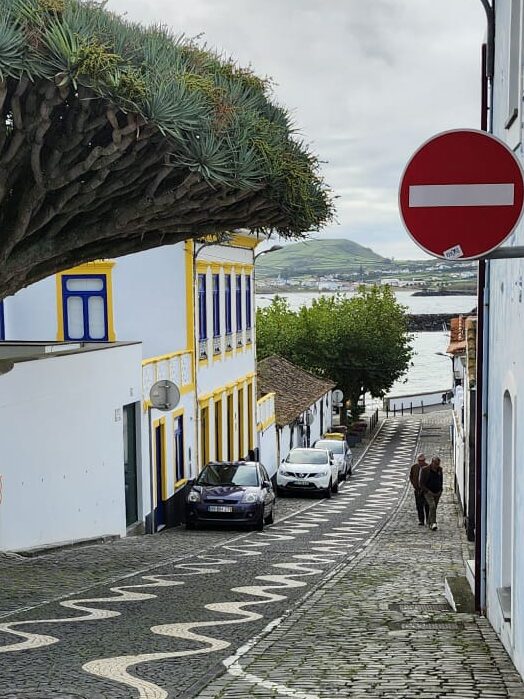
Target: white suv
[313, 470]
[341, 453]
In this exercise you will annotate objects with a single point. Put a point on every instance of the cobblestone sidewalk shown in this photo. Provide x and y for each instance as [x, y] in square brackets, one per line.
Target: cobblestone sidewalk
[380, 626]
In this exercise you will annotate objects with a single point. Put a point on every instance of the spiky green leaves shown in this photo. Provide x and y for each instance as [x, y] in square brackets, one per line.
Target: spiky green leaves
[217, 117]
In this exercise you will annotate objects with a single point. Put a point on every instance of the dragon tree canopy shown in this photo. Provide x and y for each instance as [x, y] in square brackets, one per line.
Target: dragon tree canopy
[116, 138]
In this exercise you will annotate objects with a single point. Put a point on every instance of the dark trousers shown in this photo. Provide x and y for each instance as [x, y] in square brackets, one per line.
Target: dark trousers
[422, 506]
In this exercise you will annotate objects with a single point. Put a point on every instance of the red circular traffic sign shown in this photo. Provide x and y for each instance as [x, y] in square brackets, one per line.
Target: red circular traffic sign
[461, 194]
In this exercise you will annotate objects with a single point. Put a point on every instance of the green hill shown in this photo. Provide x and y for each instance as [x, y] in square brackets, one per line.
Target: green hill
[318, 257]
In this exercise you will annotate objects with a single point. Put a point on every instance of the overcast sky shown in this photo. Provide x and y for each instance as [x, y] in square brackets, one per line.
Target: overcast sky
[368, 81]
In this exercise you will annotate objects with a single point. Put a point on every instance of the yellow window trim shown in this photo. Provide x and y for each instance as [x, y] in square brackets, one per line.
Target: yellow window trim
[179, 484]
[101, 267]
[245, 241]
[204, 266]
[261, 426]
[266, 398]
[163, 357]
[190, 300]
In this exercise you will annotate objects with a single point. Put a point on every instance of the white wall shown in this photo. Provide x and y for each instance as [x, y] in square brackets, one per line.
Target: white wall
[506, 375]
[31, 313]
[61, 433]
[149, 291]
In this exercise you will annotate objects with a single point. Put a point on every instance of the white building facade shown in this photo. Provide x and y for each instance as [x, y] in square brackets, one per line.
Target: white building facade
[191, 306]
[502, 515]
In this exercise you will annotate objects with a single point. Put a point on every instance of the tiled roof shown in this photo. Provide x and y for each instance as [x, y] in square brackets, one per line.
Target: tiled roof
[471, 349]
[457, 337]
[295, 389]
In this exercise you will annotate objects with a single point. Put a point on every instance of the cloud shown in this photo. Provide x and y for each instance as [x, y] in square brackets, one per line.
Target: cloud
[367, 83]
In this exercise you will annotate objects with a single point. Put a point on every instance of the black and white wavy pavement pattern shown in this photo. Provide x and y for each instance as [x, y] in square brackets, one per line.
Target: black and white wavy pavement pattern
[328, 532]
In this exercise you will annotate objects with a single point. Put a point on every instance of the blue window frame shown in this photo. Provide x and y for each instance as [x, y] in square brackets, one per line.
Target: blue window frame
[202, 309]
[248, 301]
[216, 305]
[84, 303]
[227, 280]
[2, 321]
[238, 291]
[179, 448]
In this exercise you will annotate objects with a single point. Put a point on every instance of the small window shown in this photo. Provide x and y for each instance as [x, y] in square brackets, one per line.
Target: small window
[84, 301]
[179, 448]
[227, 280]
[216, 305]
[202, 311]
[248, 301]
[239, 302]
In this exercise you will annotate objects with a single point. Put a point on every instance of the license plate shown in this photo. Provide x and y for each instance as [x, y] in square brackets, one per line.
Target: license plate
[301, 482]
[220, 508]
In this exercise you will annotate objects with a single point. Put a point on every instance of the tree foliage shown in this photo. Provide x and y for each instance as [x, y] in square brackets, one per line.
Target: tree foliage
[362, 342]
[116, 138]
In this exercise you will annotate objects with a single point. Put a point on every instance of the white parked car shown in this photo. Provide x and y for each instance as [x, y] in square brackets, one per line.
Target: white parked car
[312, 470]
[341, 453]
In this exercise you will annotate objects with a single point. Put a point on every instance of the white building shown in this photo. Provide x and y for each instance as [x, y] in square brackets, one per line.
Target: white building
[302, 413]
[501, 565]
[191, 305]
[69, 445]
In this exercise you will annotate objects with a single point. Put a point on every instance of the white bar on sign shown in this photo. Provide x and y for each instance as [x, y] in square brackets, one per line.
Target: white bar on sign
[461, 195]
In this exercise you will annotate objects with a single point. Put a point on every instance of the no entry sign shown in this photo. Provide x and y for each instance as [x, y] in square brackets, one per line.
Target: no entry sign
[461, 194]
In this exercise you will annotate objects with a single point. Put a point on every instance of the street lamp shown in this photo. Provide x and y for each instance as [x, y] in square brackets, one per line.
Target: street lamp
[273, 248]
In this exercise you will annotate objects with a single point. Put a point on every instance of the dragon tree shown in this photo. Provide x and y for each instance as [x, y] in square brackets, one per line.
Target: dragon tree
[116, 138]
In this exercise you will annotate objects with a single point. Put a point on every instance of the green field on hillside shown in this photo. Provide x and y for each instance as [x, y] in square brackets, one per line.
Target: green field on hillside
[319, 257]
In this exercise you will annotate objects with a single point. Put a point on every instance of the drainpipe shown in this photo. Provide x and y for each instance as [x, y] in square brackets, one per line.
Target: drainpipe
[487, 65]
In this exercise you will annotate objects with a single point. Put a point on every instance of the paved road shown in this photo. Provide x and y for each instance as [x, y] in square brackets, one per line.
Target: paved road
[165, 632]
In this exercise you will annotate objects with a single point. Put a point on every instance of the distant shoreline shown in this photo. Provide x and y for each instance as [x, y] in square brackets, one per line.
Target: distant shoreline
[412, 291]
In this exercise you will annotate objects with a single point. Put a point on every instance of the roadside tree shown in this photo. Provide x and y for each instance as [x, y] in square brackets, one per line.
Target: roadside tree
[362, 342]
[116, 138]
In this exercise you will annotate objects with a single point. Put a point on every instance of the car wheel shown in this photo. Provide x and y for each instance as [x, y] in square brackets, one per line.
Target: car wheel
[269, 518]
[344, 476]
[327, 493]
[334, 488]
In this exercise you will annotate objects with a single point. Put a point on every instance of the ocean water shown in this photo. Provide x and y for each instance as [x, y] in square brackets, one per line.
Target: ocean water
[429, 370]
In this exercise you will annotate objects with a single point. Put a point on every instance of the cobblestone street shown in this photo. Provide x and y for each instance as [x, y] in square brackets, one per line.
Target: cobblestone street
[381, 626]
[341, 597]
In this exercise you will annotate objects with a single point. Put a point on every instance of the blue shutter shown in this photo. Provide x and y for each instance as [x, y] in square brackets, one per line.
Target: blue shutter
[248, 301]
[228, 303]
[238, 291]
[202, 310]
[216, 305]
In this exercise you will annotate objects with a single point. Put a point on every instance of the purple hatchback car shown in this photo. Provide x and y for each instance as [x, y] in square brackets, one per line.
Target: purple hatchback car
[231, 492]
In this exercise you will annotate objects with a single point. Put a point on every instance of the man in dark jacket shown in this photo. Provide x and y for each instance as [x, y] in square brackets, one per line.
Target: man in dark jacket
[420, 501]
[431, 479]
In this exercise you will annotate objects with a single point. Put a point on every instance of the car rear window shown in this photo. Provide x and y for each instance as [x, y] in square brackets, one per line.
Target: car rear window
[229, 474]
[307, 456]
[334, 445]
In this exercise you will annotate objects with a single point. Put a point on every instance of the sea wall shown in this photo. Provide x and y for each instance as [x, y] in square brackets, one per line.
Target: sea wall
[430, 321]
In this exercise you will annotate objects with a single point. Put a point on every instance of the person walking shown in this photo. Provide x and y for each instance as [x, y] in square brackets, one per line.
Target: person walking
[420, 501]
[431, 479]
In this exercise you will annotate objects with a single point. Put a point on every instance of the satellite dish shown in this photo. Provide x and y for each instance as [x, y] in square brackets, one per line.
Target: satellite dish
[338, 396]
[164, 395]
